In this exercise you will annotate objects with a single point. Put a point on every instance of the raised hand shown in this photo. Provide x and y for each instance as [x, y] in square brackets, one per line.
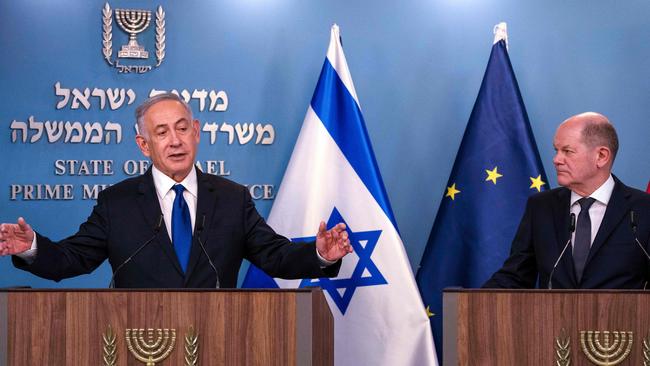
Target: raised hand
[15, 238]
[333, 244]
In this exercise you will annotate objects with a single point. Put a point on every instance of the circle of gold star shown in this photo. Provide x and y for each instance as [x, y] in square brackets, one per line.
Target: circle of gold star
[493, 175]
[537, 183]
[452, 191]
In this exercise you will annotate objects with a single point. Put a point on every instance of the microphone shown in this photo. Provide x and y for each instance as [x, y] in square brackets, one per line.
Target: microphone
[634, 231]
[199, 229]
[156, 230]
[572, 229]
[636, 239]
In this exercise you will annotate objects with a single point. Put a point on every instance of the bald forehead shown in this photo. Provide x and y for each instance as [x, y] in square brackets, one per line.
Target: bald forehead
[568, 134]
[584, 119]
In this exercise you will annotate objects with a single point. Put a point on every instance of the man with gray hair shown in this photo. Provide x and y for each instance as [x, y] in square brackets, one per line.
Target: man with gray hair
[210, 223]
[593, 232]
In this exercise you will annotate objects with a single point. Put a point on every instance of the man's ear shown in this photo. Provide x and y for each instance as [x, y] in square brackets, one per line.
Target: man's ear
[143, 145]
[604, 156]
[196, 125]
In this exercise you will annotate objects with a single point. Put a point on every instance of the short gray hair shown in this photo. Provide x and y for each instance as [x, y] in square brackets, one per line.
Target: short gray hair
[601, 133]
[150, 102]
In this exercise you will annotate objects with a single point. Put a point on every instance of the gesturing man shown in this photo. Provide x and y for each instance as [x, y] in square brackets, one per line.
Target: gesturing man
[175, 209]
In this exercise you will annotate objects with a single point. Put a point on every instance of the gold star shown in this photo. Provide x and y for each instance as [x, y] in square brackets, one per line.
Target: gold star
[493, 175]
[537, 183]
[429, 313]
[452, 191]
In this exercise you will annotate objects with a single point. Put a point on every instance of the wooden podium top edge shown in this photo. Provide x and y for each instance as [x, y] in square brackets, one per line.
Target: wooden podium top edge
[538, 291]
[298, 290]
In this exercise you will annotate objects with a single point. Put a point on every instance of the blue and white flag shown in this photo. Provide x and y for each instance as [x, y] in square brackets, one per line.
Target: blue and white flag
[333, 176]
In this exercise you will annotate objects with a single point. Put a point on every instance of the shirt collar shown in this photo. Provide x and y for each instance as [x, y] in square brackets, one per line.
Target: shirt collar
[602, 194]
[164, 183]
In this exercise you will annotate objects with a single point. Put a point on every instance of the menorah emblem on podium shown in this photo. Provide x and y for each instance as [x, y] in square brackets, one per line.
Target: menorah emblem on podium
[133, 22]
[612, 350]
[150, 351]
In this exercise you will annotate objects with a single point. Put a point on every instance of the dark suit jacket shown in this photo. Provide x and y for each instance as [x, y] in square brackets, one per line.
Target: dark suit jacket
[615, 259]
[126, 216]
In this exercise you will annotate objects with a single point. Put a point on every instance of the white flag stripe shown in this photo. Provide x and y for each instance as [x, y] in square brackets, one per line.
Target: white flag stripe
[328, 181]
[336, 57]
[318, 179]
[378, 314]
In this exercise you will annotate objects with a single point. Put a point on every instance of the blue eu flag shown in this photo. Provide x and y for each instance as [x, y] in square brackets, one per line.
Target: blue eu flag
[496, 169]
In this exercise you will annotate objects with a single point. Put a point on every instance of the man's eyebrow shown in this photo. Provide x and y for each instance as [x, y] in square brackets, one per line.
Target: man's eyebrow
[562, 146]
[182, 119]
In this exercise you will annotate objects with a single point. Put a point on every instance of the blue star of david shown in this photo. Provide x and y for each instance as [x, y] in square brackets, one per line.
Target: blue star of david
[349, 285]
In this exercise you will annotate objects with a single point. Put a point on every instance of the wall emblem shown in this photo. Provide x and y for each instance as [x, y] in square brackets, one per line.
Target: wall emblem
[133, 22]
[610, 349]
[150, 346]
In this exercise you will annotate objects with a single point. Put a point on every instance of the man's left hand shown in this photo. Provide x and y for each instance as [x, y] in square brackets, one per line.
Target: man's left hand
[333, 244]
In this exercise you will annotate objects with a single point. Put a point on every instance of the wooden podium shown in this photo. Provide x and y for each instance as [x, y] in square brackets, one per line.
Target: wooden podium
[525, 327]
[231, 327]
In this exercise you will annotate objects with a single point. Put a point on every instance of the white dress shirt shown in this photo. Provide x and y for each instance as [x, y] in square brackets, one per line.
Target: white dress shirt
[166, 195]
[597, 209]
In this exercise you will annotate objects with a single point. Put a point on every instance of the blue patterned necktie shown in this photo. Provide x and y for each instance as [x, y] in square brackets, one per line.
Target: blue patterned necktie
[582, 243]
[181, 227]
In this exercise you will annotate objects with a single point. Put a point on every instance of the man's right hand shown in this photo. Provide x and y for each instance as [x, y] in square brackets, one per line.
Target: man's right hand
[15, 238]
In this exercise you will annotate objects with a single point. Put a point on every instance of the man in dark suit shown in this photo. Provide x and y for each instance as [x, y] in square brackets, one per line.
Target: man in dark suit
[184, 220]
[602, 251]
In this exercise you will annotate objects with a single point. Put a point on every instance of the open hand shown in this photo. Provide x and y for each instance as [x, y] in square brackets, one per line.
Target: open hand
[15, 238]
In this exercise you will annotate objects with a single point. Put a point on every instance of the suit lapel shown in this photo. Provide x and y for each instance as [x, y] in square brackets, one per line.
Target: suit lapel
[562, 219]
[150, 206]
[205, 202]
[617, 207]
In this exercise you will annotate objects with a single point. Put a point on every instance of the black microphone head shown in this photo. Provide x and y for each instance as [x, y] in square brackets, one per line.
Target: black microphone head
[572, 225]
[160, 222]
[200, 224]
[633, 221]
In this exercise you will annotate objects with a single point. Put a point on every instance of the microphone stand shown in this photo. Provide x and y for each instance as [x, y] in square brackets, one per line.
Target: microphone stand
[572, 228]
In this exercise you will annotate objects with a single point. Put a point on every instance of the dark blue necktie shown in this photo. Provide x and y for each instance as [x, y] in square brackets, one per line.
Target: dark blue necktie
[181, 227]
[582, 242]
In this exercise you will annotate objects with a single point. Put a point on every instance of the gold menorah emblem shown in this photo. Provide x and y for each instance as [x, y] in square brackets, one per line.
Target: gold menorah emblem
[150, 350]
[133, 22]
[613, 349]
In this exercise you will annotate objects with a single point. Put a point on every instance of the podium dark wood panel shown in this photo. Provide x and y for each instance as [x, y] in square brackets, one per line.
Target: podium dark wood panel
[236, 327]
[502, 327]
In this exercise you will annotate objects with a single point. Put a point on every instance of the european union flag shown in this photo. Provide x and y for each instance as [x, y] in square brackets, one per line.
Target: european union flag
[497, 167]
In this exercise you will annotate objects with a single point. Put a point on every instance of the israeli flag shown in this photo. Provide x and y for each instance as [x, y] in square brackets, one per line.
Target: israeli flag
[333, 176]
